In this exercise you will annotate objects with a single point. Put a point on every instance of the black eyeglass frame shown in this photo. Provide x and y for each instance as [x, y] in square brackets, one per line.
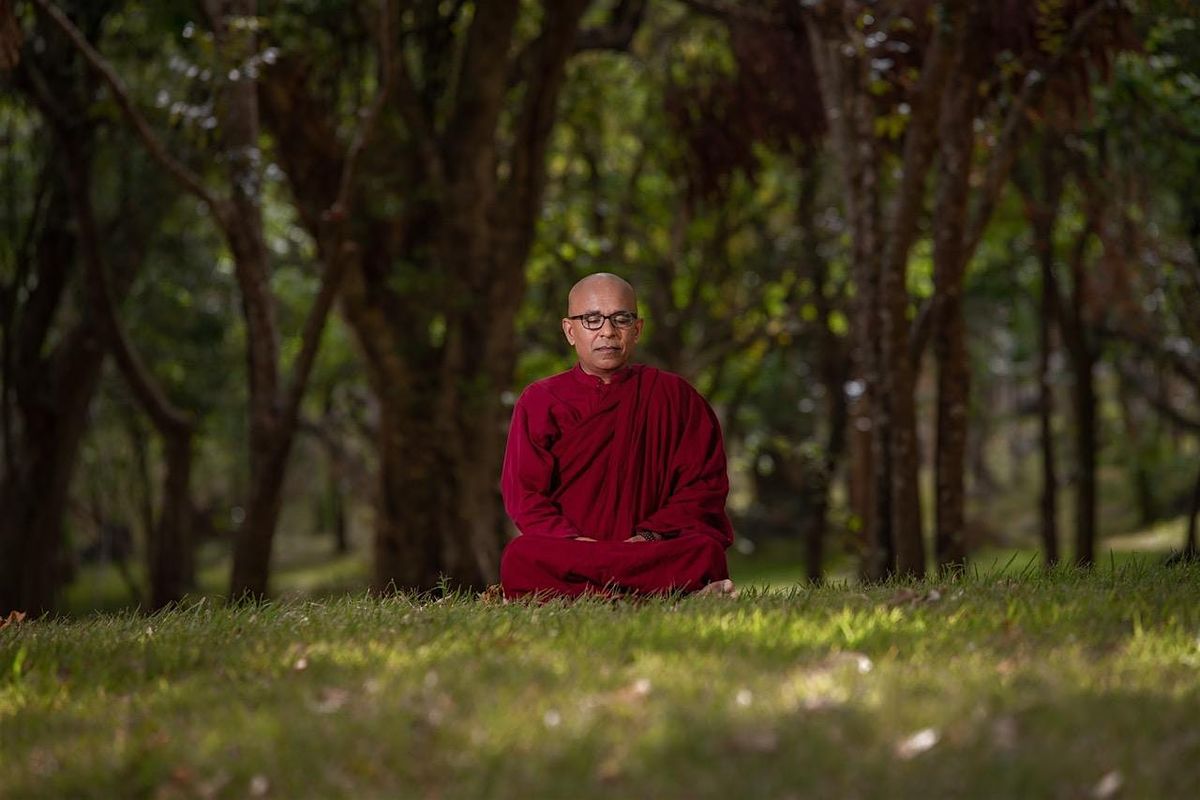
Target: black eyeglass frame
[607, 318]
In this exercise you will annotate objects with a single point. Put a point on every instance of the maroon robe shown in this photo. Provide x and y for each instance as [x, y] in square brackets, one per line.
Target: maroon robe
[603, 461]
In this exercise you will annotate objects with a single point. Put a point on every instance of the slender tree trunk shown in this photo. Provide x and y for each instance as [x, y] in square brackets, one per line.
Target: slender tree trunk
[1139, 474]
[33, 557]
[171, 550]
[239, 125]
[1072, 318]
[1048, 503]
[833, 368]
[1085, 444]
[851, 124]
[950, 258]
[1040, 183]
[1191, 550]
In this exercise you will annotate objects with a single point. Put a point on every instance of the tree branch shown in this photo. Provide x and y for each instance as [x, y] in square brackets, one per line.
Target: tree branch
[167, 418]
[1016, 126]
[186, 178]
[1160, 403]
[731, 12]
[623, 22]
[338, 249]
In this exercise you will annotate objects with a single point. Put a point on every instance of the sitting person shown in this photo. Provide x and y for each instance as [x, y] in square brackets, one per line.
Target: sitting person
[614, 473]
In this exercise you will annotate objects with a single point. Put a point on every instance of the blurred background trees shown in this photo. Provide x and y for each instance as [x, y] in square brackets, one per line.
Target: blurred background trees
[936, 265]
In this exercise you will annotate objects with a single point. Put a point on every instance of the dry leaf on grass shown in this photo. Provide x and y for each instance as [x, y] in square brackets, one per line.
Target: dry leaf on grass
[331, 700]
[492, 595]
[1108, 786]
[259, 785]
[13, 618]
[918, 743]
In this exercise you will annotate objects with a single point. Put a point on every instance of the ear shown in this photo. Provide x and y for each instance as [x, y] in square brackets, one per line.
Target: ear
[637, 329]
[568, 331]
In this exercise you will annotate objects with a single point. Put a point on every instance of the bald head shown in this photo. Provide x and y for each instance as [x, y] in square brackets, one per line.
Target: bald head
[600, 282]
[610, 306]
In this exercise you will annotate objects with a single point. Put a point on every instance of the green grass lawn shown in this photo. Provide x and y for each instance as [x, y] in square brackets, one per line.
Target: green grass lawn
[1017, 685]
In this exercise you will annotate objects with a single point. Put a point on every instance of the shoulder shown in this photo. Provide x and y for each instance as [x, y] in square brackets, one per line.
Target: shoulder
[670, 384]
[543, 394]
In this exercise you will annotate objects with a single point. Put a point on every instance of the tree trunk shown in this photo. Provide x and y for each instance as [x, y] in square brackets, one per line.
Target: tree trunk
[881, 261]
[832, 365]
[33, 559]
[851, 125]
[1048, 505]
[1085, 432]
[171, 552]
[950, 257]
[1040, 183]
[1072, 319]
[1190, 548]
[237, 113]
[1136, 458]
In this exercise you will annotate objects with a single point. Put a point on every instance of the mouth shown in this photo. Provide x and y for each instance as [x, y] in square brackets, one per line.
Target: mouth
[608, 349]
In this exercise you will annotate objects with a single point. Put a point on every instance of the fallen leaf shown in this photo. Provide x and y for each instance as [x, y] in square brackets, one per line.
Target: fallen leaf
[259, 785]
[1108, 786]
[492, 595]
[331, 700]
[13, 618]
[918, 743]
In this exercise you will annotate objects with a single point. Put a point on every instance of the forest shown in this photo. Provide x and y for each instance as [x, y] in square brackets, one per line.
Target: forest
[273, 273]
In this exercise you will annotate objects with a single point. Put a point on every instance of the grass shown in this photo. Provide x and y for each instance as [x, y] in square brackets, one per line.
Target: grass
[995, 685]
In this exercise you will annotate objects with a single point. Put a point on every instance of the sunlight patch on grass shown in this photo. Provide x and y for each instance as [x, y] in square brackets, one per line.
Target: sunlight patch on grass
[1013, 684]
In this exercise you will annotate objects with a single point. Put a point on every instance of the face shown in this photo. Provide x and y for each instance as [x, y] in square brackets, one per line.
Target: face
[605, 351]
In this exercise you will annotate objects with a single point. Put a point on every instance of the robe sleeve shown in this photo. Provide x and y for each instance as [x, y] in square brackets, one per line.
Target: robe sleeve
[525, 481]
[699, 480]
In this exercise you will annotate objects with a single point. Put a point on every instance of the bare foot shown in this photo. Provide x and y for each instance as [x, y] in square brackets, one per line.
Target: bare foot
[722, 588]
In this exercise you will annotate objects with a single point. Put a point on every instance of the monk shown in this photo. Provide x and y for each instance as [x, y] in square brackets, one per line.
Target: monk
[614, 472]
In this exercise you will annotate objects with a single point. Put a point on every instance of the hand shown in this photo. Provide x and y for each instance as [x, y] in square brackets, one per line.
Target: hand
[643, 536]
[584, 539]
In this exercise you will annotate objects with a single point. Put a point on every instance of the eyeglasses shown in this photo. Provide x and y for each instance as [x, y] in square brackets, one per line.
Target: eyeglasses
[594, 321]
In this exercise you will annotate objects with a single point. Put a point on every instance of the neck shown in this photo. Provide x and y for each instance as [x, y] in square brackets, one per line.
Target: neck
[605, 377]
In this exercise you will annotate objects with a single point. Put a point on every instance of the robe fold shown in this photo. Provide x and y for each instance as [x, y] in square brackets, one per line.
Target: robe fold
[604, 461]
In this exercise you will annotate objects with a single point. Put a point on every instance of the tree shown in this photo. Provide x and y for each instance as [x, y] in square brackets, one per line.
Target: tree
[52, 352]
[456, 180]
[274, 405]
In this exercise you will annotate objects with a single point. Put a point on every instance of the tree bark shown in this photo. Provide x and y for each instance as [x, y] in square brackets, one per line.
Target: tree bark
[881, 265]
[1041, 191]
[50, 373]
[1072, 315]
[898, 369]
[950, 258]
[1191, 551]
[853, 143]
[832, 365]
